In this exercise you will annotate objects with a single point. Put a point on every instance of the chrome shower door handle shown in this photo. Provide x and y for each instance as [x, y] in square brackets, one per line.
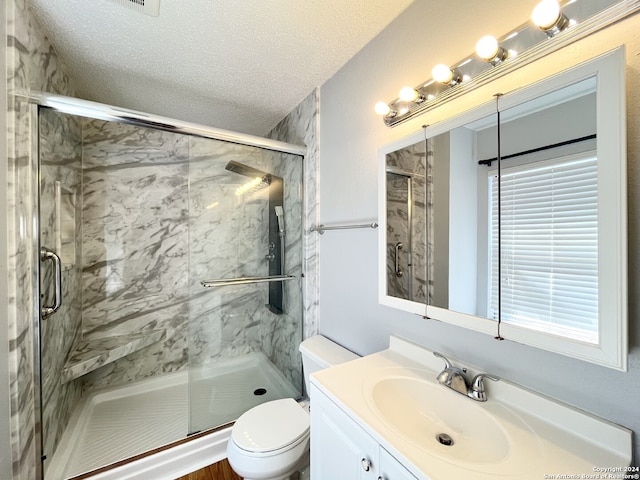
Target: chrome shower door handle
[399, 272]
[46, 254]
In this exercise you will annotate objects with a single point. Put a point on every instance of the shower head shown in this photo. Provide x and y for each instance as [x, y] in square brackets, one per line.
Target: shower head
[259, 178]
[245, 170]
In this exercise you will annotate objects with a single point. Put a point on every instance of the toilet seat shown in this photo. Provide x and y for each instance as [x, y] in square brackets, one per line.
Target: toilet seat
[271, 427]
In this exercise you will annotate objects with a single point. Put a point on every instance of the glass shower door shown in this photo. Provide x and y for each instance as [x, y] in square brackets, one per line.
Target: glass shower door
[245, 268]
[60, 172]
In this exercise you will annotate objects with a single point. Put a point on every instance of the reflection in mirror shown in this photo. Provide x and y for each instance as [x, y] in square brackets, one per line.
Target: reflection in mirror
[406, 223]
[548, 214]
[459, 218]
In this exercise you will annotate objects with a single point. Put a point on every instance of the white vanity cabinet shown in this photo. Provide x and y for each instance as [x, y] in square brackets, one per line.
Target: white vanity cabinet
[341, 449]
[391, 469]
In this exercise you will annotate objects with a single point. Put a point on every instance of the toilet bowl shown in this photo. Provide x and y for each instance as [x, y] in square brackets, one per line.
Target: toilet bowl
[271, 441]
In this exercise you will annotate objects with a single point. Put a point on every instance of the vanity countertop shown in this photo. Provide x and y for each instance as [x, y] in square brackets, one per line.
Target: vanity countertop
[516, 433]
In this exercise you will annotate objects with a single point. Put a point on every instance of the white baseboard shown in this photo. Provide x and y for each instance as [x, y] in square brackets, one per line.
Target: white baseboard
[174, 462]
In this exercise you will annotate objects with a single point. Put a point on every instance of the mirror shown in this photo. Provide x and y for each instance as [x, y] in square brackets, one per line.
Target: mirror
[532, 250]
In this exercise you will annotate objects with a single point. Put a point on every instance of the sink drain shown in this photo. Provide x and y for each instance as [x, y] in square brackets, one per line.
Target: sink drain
[444, 439]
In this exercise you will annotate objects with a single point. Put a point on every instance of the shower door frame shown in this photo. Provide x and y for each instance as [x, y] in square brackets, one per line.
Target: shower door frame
[34, 131]
[100, 111]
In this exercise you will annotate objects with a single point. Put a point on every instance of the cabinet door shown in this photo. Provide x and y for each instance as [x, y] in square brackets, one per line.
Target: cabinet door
[391, 469]
[339, 447]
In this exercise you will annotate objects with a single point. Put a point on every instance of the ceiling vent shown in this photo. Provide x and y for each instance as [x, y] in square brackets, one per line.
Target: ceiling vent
[150, 7]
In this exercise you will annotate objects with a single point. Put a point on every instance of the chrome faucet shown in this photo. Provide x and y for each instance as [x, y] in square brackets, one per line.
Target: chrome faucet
[456, 379]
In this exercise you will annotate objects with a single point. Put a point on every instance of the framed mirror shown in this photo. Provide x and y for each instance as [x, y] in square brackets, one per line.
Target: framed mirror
[534, 250]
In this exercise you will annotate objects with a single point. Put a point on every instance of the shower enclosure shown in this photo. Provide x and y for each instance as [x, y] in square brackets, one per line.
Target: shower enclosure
[170, 281]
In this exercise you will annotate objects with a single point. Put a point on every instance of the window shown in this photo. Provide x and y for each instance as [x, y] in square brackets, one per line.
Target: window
[549, 246]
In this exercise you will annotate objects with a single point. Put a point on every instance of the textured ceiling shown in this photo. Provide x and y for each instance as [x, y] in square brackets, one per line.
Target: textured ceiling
[236, 64]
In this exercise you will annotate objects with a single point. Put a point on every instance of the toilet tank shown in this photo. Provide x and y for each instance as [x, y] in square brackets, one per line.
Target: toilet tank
[319, 352]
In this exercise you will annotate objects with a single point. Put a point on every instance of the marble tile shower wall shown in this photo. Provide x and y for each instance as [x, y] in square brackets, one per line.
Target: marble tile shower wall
[135, 245]
[301, 127]
[31, 64]
[60, 230]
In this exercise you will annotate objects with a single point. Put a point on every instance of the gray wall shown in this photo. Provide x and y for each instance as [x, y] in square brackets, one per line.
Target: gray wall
[351, 136]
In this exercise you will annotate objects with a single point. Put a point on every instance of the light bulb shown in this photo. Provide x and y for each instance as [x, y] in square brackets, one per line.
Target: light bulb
[442, 73]
[487, 48]
[382, 108]
[408, 94]
[546, 14]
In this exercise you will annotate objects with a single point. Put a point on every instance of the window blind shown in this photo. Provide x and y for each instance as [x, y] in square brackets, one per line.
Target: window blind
[549, 246]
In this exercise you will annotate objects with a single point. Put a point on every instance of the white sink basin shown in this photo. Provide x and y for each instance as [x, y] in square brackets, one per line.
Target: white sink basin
[428, 414]
[485, 437]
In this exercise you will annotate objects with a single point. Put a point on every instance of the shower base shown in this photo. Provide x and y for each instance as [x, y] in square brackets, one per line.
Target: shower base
[116, 423]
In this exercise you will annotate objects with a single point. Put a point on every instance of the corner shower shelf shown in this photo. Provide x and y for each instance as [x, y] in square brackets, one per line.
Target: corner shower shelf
[92, 354]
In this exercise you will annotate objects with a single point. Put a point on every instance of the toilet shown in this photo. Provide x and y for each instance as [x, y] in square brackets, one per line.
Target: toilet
[271, 440]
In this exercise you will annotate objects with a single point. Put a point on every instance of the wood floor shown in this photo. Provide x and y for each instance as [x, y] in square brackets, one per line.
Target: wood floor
[217, 471]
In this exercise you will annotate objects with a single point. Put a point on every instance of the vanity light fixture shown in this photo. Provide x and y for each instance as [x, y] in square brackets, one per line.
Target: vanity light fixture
[495, 57]
[548, 17]
[489, 50]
